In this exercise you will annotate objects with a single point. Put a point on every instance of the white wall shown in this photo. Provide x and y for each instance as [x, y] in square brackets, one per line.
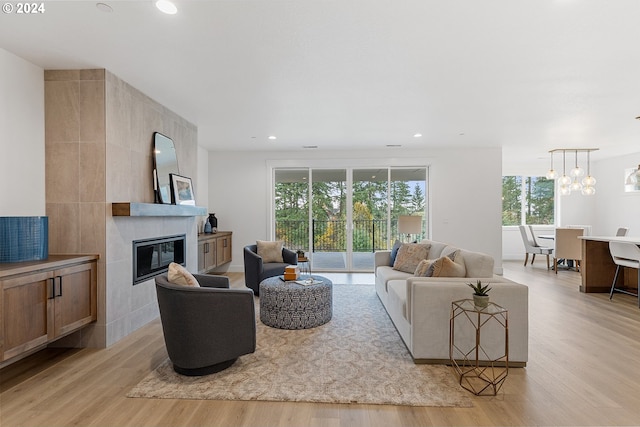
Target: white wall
[613, 207]
[21, 137]
[202, 190]
[465, 198]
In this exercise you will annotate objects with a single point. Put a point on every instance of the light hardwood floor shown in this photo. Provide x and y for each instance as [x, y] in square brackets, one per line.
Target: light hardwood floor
[584, 354]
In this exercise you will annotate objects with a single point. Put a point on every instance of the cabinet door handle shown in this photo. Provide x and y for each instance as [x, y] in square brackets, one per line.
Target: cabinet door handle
[53, 288]
[206, 248]
[60, 288]
[225, 243]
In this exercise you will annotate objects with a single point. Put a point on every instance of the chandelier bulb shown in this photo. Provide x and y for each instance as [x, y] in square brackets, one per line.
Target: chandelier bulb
[565, 190]
[577, 171]
[575, 185]
[552, 174]
[564, 180]
[589, 181]
[588, 190]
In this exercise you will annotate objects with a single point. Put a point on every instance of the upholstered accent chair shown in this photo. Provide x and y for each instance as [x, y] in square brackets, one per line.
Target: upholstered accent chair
[255, 270]
[531, 246]
[206, 328]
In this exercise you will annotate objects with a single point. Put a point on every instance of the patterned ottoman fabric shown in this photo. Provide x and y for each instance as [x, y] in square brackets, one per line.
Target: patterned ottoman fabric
[288, 305]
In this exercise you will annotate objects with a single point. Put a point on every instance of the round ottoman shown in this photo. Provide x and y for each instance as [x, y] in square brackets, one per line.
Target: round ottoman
[289, 305]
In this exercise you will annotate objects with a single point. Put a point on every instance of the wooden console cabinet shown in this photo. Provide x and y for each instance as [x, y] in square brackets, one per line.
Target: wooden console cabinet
[214, 250]
[41, 301]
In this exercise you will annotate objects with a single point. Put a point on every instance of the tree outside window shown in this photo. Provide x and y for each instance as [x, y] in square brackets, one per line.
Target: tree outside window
[527, 200]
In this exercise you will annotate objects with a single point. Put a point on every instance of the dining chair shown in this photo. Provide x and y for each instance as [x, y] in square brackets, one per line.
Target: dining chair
[531, 246]
[624, 255]
[622, 231]
[533, 237]
[586, 228]
[568, 246]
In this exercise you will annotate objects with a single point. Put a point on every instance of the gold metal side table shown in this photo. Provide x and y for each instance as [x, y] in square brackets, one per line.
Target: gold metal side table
[479, 346]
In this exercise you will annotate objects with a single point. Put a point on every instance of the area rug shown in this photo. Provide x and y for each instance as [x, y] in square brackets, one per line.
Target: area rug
[358, 357]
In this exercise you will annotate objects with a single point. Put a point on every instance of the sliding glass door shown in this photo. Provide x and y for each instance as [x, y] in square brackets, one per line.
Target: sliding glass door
[369, 216]
[341, 216]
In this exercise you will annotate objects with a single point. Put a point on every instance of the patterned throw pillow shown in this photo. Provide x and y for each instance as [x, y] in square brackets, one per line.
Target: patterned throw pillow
[270, 251]
[178, 275]
[410, 255]
[444, 267]
[423, 268]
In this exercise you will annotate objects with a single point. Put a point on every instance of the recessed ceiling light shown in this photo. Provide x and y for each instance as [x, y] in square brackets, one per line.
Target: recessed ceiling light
[103, 7]
[167, 7]
[417, 135]
[272, 137]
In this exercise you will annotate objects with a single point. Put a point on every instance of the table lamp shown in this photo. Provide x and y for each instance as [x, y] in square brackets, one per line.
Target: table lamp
[408, 224]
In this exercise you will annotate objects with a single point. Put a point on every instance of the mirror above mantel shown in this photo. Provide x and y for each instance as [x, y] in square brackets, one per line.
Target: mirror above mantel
[165, 162]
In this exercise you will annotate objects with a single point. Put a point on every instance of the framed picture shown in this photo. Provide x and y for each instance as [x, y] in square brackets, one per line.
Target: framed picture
[181, 190]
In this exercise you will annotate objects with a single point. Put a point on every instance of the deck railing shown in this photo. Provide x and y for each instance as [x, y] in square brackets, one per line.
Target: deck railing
[330, 236]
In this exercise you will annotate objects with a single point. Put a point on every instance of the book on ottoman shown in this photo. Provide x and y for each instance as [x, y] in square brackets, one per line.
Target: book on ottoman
[291, 272]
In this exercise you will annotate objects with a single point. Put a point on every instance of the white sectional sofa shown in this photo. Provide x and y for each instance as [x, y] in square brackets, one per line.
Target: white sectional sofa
[420, 307]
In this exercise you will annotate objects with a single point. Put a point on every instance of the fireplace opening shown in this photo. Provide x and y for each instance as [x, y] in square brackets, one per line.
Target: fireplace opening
[152, 257]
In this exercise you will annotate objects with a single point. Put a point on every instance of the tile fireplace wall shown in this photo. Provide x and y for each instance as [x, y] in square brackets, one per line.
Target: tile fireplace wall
[98, 144]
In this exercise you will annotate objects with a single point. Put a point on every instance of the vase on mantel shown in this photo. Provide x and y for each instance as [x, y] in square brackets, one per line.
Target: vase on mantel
[207, 227]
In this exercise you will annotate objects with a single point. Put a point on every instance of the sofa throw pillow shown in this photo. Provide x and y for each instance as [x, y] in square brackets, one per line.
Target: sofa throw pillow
[270, 251]
[444, 267]
[178, 275]
[423, 268]
[452, 256]
[409, 256]
[394, 251]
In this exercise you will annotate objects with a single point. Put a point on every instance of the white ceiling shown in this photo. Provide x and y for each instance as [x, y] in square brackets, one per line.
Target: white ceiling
[527, 75]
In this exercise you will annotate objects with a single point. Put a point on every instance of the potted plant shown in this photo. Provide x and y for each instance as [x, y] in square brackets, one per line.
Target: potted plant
[480, 294]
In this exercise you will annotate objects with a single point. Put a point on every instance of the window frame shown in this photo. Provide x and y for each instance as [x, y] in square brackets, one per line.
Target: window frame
[524, 181]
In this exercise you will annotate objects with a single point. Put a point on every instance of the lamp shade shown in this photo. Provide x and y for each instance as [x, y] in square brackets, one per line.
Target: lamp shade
[408, 224]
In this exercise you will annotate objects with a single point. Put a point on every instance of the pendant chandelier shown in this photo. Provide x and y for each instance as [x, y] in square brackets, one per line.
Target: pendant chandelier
[573, 181]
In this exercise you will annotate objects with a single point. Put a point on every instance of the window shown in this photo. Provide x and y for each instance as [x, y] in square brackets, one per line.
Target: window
[527, 200]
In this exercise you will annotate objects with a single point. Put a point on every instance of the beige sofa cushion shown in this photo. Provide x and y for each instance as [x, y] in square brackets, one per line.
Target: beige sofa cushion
[410, 255]
[435, 248]
[477, 263]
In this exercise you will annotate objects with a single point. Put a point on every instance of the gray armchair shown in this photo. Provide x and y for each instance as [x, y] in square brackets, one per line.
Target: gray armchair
[207, 328]
[255, 271]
